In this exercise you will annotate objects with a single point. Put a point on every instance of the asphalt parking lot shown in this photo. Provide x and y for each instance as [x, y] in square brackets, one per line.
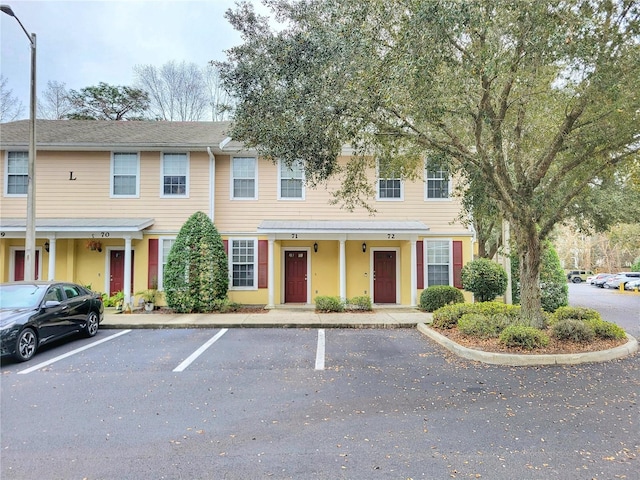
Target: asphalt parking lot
[309, 403]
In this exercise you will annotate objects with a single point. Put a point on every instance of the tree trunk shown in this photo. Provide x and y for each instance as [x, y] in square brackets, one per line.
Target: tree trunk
[530, 255]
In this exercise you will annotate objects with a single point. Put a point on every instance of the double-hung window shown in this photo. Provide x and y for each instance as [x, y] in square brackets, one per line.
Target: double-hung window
[243, 260]
[291, 181]
[437, 183]
[17, 173]
[389, 182]
[438, 262]
[125, 174]
[243, 178]
[175, 178]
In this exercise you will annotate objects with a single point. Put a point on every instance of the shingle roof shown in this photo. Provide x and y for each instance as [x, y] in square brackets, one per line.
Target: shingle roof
[101, 134]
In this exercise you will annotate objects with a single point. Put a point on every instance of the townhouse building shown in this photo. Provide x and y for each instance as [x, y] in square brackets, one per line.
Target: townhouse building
[111, 196]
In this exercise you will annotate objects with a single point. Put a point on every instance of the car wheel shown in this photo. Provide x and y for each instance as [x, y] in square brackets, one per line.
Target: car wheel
[91, 327]
[576, 280]
[26, 345]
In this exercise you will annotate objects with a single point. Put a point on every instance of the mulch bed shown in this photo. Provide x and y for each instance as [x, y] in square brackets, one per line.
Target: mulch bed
[554, 347]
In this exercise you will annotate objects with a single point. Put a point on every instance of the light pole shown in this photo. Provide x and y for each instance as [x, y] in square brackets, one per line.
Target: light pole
[30, 235]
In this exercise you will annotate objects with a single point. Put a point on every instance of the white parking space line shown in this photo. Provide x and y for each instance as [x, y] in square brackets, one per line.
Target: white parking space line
[320, 350]
[72, 352]
[189, 360]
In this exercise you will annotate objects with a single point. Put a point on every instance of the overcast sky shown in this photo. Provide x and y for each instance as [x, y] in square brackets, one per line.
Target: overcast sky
[84, 42]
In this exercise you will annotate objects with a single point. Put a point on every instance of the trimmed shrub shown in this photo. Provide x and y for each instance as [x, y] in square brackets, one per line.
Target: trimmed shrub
[448, 316]
[497, 308]
[573, 330]
[486, 279]
[574, 313]
[196, 276]
[607, 330]
[361, 303]
[329, 304]
[523, 336]
[483, 326]
[437, 296]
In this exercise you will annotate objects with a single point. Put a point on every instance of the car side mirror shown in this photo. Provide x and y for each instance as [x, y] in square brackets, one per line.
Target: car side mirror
[51, 304]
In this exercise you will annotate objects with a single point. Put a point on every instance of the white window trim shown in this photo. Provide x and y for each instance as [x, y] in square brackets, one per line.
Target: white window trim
[426, 187]
[160, 260]
[255, 185]
[425, 256]
[112, 173]
[289, 199]
[6, 175]
[187, 174]
[387, 199]
[255, 263]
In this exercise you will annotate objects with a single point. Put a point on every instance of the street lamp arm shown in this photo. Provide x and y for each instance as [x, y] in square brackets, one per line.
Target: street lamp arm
[7, 9]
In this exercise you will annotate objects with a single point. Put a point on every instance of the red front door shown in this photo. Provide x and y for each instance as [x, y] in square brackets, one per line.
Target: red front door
[116, 269]
[18, 270]
[384, 277]
[295, 277]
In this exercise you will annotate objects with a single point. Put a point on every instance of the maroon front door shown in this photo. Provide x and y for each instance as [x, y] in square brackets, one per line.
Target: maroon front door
[18, 270]
[116, 269]
[295, 277]
[384, 277]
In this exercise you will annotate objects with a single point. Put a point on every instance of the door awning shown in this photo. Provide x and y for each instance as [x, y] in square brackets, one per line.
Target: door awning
[343, 229]
[77, 227]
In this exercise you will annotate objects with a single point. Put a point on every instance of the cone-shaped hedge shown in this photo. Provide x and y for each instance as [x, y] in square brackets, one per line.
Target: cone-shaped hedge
[196, 277]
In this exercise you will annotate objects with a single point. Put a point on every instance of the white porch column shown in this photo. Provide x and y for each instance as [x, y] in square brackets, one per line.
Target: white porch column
[414, 273]
[343, 270]
[271, 275]
[52, 258]
[127, 270]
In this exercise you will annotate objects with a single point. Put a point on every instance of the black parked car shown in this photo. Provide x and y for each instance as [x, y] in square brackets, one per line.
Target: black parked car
[34, 313]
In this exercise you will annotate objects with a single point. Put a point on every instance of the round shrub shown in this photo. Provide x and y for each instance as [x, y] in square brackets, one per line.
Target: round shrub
[329, 304]
[607, 330]
[437, 296]
[573, 330]
[497, 308]
[523, 336]
[483, 326]
[486, 279]
[575, 313]
[448, 316]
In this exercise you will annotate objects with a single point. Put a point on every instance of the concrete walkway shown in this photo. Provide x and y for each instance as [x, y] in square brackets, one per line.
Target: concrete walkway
[385, 317]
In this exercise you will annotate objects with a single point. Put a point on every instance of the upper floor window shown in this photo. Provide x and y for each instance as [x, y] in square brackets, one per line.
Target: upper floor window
[390, 185]
[243, 263]
[243, 178]
[175, 170]
[437, 184]
[291, 181]
[17, 173]
[438, 261]
[125, 172]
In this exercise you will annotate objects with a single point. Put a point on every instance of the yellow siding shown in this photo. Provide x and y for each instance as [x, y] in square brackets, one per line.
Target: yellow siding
[246, 215]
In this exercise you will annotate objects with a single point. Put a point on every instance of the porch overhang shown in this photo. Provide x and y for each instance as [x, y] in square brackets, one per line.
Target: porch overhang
[342, 229]
[78, 227]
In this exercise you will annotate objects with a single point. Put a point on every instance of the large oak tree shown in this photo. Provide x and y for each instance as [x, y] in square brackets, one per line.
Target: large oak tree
[538, 101]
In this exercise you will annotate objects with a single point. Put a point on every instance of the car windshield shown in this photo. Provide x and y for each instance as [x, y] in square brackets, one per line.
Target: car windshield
[20, 296]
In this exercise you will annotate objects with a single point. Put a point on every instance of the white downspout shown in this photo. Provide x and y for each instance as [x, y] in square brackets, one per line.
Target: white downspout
[212, 184]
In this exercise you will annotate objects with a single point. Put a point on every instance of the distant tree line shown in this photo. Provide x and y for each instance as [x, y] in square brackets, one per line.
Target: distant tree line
[173, 92]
